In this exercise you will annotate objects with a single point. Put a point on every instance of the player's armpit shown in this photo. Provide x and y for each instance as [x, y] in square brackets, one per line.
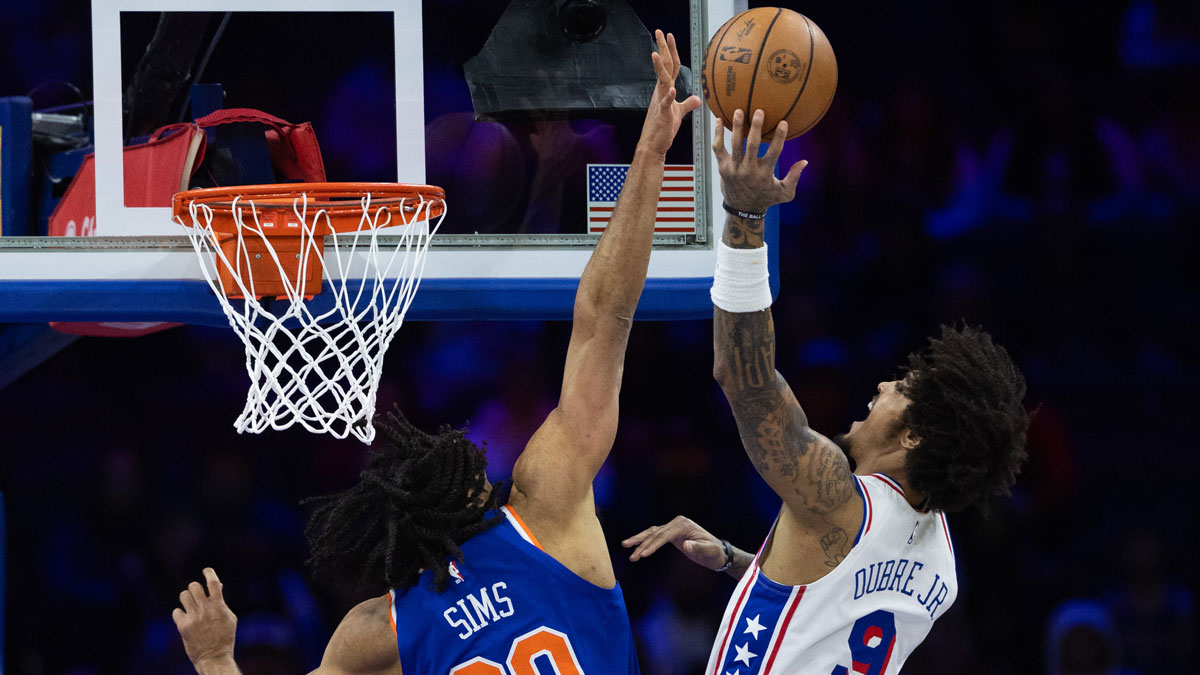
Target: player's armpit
[364, 642]
[559, 463]
[807, 470]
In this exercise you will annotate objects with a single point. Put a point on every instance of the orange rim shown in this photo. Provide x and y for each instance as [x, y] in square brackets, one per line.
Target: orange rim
[341, 201]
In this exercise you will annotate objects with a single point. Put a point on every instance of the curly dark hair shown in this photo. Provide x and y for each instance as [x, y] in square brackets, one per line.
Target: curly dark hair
[967, 411]
[412, 509]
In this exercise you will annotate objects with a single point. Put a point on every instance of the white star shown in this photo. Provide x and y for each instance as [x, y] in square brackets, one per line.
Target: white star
[737, 671]
[753, 626]
[744, 654]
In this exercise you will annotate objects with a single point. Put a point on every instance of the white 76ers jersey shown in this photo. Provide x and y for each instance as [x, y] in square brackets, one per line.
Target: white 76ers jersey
[865, 617]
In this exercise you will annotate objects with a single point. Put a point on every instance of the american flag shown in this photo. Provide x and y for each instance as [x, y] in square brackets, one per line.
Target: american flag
[676, 203]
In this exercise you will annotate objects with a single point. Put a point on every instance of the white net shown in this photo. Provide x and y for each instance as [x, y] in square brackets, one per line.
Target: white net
[317, 362]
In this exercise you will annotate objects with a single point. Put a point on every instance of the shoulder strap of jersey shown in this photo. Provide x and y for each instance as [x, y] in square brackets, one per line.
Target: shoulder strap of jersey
[519, 525]
[868, 508]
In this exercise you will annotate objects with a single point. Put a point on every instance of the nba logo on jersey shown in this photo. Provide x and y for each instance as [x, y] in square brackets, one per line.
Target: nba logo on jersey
[458, 577]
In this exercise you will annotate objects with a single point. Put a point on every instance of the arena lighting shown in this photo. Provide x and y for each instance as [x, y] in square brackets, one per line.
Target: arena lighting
[564, 57]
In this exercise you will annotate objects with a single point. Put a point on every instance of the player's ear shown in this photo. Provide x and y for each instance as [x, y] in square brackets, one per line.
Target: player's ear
[909, 440]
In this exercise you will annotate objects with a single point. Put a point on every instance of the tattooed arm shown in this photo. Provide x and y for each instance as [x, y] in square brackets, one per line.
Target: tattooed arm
[808, 471]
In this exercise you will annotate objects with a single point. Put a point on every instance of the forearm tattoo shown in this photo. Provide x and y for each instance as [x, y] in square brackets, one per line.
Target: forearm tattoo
[742, 232]
[772, 425]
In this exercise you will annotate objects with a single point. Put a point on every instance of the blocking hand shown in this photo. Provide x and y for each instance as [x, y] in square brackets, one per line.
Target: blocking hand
[665, 113]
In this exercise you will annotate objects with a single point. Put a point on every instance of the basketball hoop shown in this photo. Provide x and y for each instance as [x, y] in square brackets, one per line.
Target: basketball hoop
[263, 250]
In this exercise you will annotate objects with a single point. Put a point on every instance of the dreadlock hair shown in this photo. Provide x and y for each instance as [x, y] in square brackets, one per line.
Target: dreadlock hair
[413, 507]
[966, 408]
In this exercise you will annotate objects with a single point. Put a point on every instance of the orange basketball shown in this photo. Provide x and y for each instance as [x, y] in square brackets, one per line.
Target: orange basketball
[770, 58]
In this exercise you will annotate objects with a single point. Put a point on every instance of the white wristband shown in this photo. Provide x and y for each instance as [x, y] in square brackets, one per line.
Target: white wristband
[741, 282]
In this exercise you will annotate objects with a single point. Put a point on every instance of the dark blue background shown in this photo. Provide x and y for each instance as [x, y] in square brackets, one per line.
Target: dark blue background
[1033, 167]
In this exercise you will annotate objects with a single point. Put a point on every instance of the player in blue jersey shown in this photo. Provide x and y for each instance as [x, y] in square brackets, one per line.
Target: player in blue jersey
[482, 584]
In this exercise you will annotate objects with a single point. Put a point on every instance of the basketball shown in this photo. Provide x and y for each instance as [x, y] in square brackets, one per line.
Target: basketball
[774, 59]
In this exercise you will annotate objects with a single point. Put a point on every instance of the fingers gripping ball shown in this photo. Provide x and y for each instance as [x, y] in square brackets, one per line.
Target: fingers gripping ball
[774, 59]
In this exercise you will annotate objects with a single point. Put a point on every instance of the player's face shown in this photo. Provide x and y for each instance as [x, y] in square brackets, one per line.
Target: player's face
[882, 424]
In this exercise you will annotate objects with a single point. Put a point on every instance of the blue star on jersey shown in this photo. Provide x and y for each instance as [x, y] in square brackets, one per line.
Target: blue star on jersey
[753, 626]
[744, 655]
[764, 615]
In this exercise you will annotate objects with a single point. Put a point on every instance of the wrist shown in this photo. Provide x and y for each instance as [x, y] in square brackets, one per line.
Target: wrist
[216, 664]
[649, 153]
[741, 281]
[741, 562]
[743, 213]
[728, 556]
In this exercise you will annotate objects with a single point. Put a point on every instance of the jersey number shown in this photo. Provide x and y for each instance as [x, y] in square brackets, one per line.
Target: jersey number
[543, 642]
[871, 643]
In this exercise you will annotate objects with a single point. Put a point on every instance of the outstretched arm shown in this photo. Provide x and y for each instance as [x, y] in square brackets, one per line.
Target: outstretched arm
[804, 468]
[558, 465]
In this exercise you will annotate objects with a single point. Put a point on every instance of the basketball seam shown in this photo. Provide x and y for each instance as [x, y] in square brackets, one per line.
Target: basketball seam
[720, 42]
[807, 73]
[758, 62]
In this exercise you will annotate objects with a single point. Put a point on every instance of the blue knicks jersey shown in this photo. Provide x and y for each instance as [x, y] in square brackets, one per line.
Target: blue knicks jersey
[511, 609]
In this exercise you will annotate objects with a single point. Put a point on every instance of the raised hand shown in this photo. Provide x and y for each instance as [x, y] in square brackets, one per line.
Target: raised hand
[665, 113]
[747, 180]
[694, 541]
[207, 625]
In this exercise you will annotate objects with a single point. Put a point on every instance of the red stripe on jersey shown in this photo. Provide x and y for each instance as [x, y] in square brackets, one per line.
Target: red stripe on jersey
[869, 508]
[887, 481]
[946, 529]
[733, 621]
[783, 629]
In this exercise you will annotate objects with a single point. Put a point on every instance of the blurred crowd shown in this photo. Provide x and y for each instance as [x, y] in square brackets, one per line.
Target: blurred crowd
[1032, 168]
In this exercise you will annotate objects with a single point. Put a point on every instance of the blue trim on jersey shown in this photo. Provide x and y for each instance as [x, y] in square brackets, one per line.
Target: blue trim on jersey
[862, 527]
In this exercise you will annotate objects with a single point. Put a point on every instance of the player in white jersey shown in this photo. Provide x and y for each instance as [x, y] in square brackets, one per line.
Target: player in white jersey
[859, 562]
